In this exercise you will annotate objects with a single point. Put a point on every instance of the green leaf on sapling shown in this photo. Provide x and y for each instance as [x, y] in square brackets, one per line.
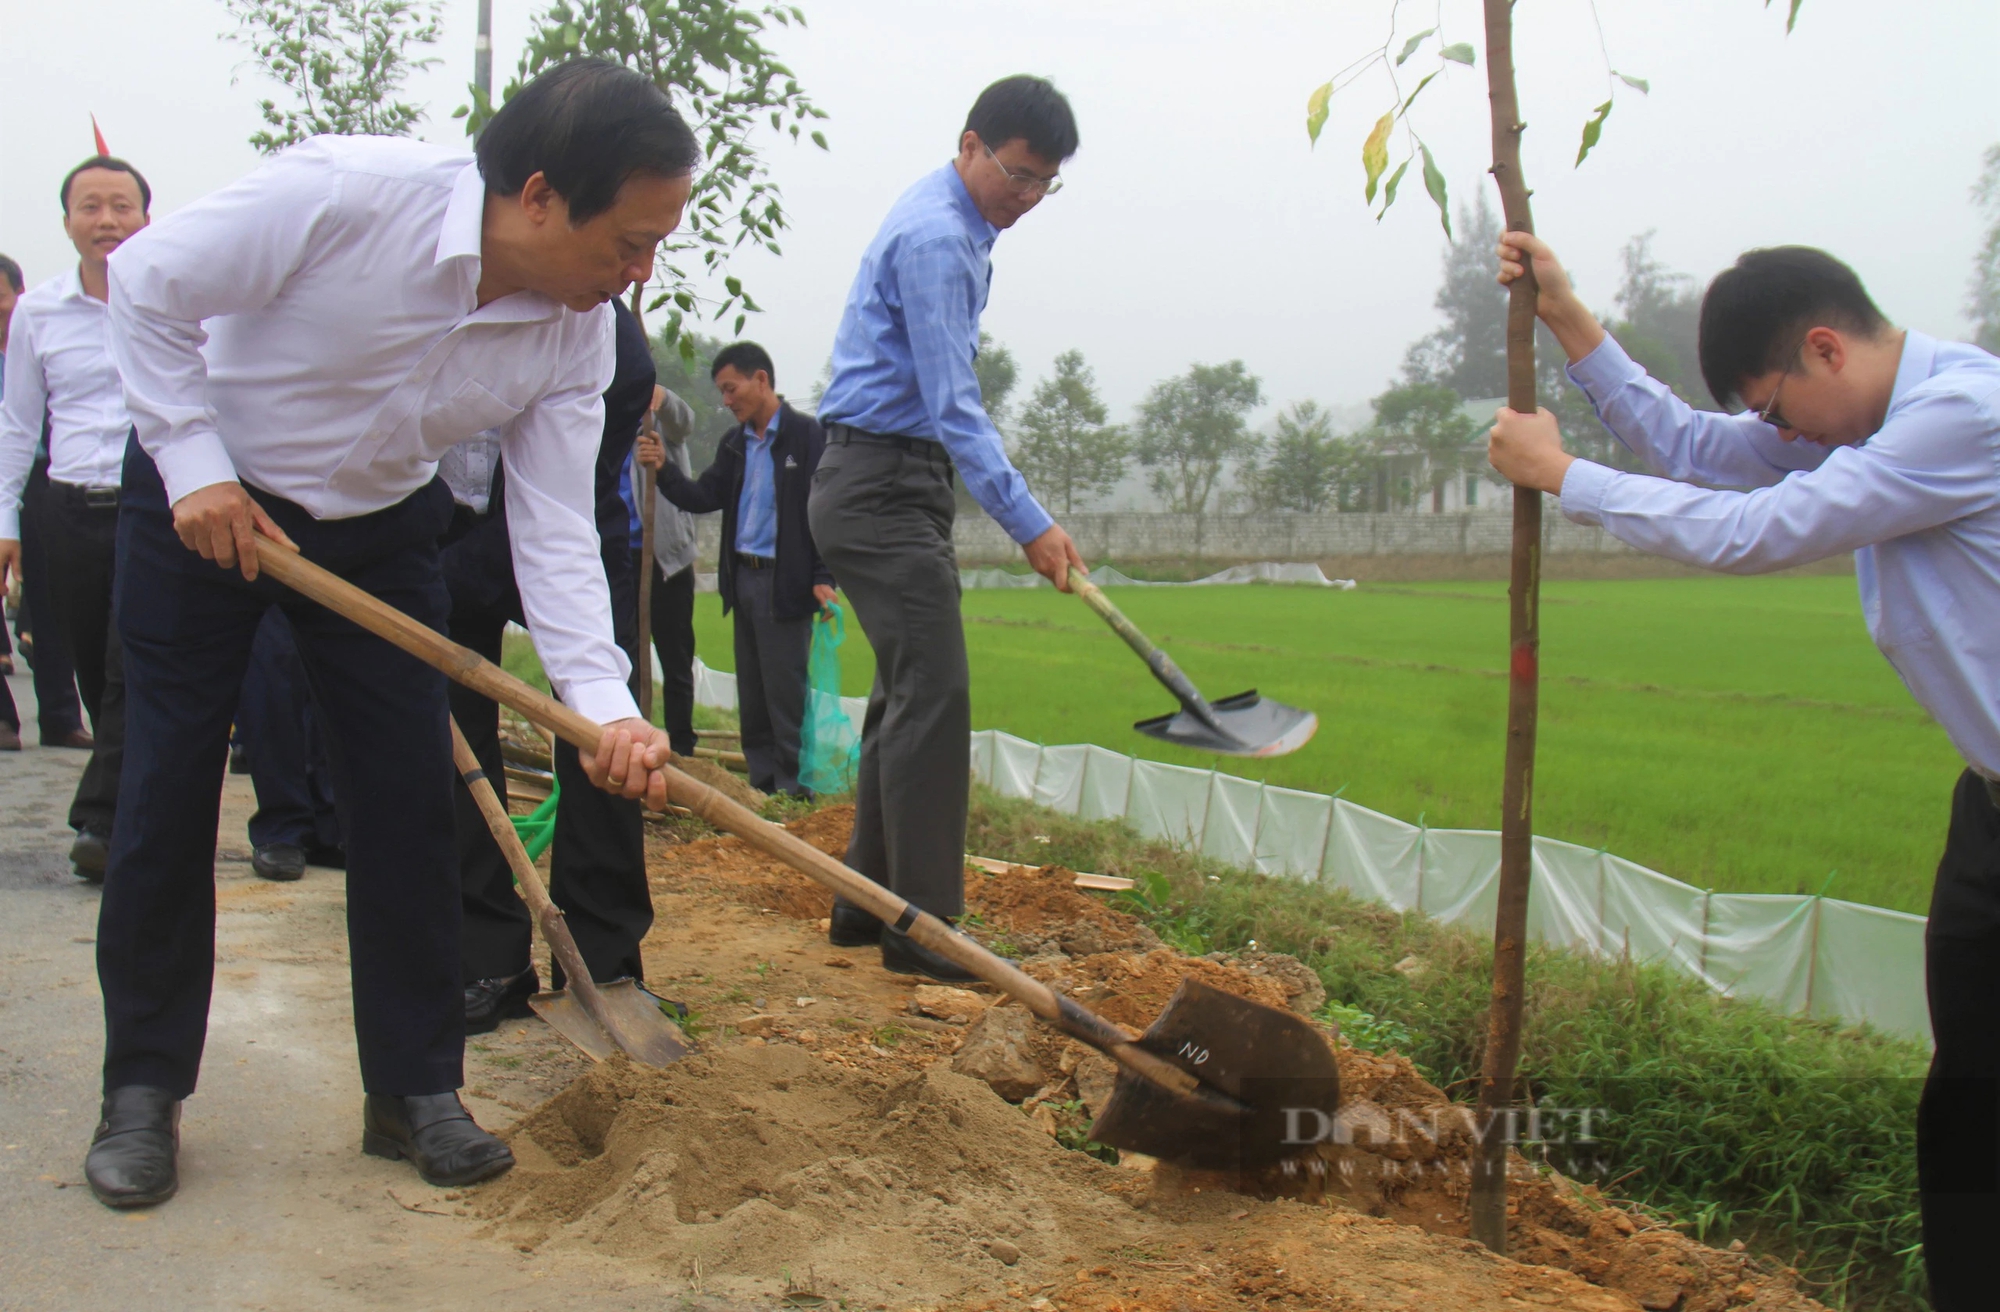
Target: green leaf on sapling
[1592, 130]
[1434, 184]
[1389, 191]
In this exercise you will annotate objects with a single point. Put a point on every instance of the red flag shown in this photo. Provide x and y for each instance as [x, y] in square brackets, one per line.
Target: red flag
[98, 132]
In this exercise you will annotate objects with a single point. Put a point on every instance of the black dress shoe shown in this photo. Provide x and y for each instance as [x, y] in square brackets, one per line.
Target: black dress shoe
[131, 1161]
[89, 855]
[903, 955]
[436, 1134]
[320, 854]
[281, 863]
[851, 927]
[490, 1001]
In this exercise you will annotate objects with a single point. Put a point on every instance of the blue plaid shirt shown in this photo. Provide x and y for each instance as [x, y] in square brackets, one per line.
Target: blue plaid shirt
[902, 360]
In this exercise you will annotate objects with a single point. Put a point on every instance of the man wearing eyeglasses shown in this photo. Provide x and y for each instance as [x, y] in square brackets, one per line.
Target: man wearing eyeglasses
[1855, 436]
[903, 416]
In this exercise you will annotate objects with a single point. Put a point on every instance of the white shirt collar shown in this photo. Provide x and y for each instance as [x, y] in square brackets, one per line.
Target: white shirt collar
[72, 284]
[464, 217]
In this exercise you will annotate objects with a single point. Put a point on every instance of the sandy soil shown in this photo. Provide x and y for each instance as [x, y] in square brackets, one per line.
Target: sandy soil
[821, 1144]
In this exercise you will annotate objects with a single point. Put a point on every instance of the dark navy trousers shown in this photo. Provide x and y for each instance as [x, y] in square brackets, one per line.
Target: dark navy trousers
[188, 626]
[278, 728]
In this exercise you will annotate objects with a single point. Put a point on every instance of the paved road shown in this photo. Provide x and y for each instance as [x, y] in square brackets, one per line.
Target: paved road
[278, 1209]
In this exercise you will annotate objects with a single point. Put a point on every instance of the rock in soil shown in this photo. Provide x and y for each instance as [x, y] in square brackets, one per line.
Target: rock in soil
[999, 1051]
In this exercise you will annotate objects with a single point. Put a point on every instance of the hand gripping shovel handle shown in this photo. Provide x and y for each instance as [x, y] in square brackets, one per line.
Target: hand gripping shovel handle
[469, 668]
[1161, 664]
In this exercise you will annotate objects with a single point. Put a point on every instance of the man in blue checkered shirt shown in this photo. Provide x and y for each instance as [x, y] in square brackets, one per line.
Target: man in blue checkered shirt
[903, 417]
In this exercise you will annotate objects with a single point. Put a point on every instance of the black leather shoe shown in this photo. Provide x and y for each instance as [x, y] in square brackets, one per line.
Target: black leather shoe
[89, 855]
[851, 927]
[436, 1134]
[332, 858]
[281, 863]
[131, 1161]
[490, 1001]
[903, 955]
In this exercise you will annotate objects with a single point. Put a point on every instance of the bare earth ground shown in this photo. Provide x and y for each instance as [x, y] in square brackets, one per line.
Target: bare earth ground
[820, 1151]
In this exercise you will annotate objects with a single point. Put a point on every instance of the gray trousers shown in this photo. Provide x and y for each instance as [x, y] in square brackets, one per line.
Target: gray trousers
[881, 518]
[770, 682]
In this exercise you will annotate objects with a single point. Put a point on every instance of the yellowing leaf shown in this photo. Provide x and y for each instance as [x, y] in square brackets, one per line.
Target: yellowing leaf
[1375, 151]
[1592, 130]
[1317, 107]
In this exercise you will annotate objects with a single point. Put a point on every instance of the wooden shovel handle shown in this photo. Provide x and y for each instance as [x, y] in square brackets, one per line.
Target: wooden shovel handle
[555, 930]
[1161, 664]
[474, 671]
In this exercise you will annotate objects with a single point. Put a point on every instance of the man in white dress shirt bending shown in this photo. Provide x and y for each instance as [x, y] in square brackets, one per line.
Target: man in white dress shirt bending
[1855, 436]
[298, 349]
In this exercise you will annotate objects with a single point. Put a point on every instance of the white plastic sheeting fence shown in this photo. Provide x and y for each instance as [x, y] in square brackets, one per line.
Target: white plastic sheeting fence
[1805, 955]
[718, 688]
[1110, 576]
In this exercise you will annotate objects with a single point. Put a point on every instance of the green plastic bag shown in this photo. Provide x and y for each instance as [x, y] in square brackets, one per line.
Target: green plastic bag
[829, 749]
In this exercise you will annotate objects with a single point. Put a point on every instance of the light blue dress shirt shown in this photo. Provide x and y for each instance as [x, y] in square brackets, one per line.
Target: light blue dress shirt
[902, 359]
[1918, 503]
[757, 503]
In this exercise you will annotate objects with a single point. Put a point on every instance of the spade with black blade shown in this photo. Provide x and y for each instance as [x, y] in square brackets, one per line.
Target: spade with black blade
[1218, 1081]
[1242, 725]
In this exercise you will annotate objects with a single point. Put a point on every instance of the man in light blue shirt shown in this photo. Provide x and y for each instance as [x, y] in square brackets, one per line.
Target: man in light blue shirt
[903, 417]
[1855, 436]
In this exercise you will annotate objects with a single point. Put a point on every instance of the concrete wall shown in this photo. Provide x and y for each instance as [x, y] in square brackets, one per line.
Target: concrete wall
[1379, 547]
[1126, 535]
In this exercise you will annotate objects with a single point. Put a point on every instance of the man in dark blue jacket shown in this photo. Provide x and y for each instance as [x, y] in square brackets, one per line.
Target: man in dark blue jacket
[597, 864]
[769, 572]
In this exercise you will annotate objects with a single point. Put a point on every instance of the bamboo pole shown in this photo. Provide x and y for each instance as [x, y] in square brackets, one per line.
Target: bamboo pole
[1487, 1204]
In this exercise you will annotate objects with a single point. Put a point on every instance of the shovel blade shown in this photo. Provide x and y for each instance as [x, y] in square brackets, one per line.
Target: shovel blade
[1274, 1063]
[1251, 726]
[649, 1038]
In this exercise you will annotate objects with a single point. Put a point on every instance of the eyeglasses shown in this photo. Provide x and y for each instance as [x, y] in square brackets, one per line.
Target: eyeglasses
[1023, 183]
[1770, 413]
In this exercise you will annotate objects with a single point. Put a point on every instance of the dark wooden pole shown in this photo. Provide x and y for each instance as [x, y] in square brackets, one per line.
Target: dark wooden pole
[1488, 1202]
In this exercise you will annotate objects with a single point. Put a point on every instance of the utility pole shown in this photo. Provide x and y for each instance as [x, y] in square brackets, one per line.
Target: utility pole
[482, 51]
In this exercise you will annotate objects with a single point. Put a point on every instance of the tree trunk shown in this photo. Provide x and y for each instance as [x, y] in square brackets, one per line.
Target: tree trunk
[1488, 1202]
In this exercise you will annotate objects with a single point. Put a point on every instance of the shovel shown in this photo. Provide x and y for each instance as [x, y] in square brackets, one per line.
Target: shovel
[598, 1018]
[1242, 725]
[1218, 1081]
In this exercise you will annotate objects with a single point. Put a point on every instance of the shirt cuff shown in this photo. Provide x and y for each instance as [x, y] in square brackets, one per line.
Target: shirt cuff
[192, 462]
[1583, 491]
[1604, 369]
[602, 700]
[1026, 521]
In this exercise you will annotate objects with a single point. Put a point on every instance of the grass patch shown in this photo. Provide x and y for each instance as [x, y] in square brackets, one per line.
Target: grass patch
[1796, 1136]
[1739, 734]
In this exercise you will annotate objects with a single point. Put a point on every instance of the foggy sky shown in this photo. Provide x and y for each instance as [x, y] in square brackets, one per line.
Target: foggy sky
[1197, 225]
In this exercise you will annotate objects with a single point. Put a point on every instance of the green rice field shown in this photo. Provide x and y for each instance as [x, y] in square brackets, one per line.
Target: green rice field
[1740, 734]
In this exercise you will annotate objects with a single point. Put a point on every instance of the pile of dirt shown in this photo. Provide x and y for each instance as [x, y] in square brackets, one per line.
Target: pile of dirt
[824, 1141]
